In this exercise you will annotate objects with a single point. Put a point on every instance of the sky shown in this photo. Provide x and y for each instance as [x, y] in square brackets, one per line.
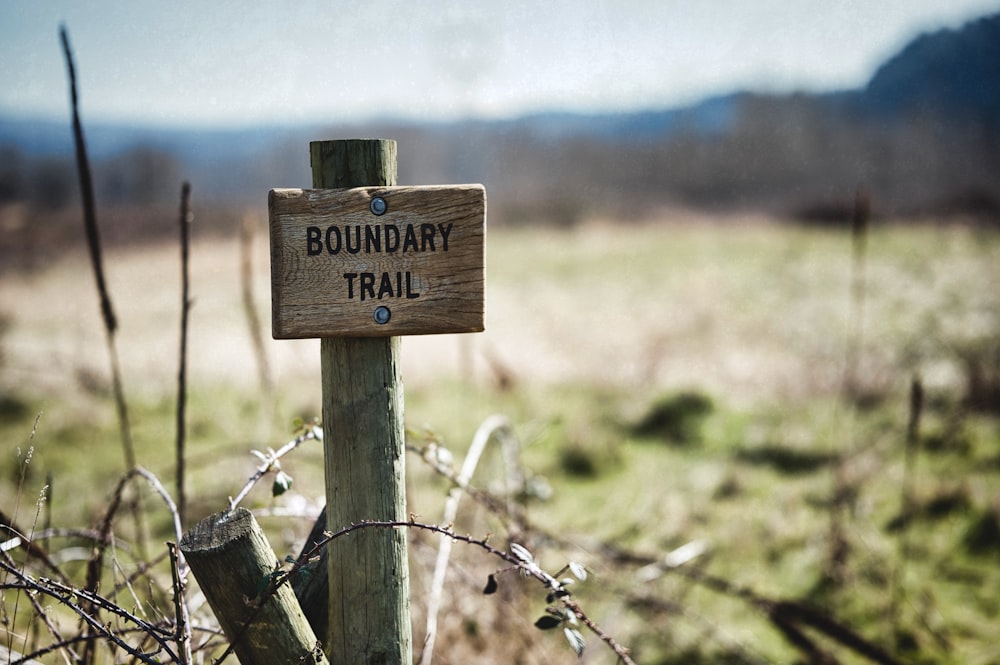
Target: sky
[243, 62]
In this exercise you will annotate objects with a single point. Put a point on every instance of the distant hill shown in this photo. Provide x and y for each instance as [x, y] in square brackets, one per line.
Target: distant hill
[949, 73]
[923, 136]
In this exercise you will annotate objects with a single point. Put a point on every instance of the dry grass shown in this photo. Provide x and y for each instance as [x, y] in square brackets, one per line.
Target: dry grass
[739, 307]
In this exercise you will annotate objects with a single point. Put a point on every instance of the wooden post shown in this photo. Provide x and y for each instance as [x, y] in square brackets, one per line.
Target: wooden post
[357, 262]
[364, 452]
[232, 560]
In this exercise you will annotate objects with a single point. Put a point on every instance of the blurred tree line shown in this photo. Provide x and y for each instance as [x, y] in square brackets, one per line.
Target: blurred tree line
[138, 176]
[800, 156]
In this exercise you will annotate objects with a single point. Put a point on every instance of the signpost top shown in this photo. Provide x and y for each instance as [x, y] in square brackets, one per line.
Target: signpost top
[377, 261]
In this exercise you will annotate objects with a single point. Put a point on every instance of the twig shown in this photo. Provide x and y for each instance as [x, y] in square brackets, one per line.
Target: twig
[30, 544]
[180, 605]
[89, 605]
[66, 596]
[23, 471]
[621, 651]
[792, 611]
[94, 245]
[493, 428]
[529, 569]
[161, 490]
[314, 432]
[503, 508]
[47, 523]
[185, 224]
[788, 611]
[95, 564]
[92, 604]
[37, 607]
[797, 638]
[783, 613]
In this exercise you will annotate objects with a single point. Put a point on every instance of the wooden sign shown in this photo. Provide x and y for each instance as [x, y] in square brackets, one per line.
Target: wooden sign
[377, 261]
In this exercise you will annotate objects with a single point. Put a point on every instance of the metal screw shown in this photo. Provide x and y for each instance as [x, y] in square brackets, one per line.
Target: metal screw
[382, 315]
[378, 206]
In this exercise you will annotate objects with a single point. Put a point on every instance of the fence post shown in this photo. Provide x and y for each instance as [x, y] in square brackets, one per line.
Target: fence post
[358, 261]
[364, 453]
[232, 561]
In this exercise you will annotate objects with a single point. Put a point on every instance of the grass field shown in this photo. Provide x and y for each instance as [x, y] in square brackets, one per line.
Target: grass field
[670, 382]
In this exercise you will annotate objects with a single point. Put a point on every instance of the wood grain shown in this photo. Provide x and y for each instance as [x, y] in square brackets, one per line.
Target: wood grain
[232, 561]
[311, 297]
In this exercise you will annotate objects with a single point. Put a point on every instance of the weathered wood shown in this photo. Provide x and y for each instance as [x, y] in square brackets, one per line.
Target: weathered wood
[232, 561]
[313, 589]
[363, 439]
[334, 261]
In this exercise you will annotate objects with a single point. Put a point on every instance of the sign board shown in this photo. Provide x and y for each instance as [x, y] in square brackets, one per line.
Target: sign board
[377, 261]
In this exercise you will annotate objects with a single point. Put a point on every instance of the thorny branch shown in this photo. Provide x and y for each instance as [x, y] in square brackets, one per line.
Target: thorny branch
[81, 600]
[785, 615]
[36, 606]
[529, 568]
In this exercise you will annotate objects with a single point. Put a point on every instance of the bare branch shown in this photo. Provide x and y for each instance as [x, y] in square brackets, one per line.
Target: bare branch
[185, 224]
[314, 432]
[96, 259]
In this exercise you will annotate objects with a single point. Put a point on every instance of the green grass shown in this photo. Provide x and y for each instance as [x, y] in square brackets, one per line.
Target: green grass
[669, 384]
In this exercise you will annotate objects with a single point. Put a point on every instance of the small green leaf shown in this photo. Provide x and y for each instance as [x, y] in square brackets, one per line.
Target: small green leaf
[548, 622]
[575, 640]
[282, 483]
[491, 585]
